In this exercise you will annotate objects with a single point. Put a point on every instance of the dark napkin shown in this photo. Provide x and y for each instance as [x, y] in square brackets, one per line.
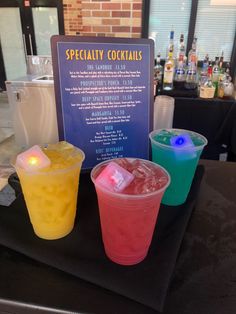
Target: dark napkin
[81, 253]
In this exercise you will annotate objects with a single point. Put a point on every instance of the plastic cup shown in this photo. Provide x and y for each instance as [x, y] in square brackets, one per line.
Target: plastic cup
[51, 196]
[163, 112]
[179, 161]
[128, 220]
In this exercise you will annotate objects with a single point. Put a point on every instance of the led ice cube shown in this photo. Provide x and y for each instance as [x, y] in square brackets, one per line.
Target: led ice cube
[181, 141]
[33, 159]
[114, 177]
[185, 149]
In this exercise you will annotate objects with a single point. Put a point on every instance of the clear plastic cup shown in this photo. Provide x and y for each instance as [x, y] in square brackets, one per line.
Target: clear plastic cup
[163, 112]
[128, 220]
[180, 161]
[51, 195]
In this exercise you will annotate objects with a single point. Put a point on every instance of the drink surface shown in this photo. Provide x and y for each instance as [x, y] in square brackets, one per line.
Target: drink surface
[164, 137]
[51, 192]
[62, 156]
[147, 177]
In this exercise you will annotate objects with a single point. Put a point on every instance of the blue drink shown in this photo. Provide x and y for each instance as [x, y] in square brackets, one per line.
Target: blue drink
[178, 151]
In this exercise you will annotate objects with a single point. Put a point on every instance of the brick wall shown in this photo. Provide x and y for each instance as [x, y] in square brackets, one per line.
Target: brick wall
[111, 18]
[72, 16]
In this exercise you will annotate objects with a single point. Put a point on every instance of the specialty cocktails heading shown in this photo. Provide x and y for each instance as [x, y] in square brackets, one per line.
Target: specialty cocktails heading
[100, 54]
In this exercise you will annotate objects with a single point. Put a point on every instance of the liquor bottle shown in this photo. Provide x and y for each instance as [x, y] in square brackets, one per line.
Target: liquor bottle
[227, 69]
[181, 50]
[171, 43]
[158, 73]
[192, 55]
[221, 61]
[205, 64]
[207, 88]
[179, 78]
[228, 85]
[204, 70]
[222, 79]
[191, 77]
[169, 66]
[216, 73]
[220, 91]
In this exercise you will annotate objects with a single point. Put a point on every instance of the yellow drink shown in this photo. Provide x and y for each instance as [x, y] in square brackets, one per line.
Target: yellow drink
[51, 193]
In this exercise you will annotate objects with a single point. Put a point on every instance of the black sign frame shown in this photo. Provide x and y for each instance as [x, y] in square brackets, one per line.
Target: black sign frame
[147, 65]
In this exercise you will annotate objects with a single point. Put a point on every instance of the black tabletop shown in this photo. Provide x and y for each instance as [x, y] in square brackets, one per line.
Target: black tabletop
[205, 276]
[204, 279]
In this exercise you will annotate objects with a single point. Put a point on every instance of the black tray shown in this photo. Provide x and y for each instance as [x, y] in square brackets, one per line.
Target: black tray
[81, 253]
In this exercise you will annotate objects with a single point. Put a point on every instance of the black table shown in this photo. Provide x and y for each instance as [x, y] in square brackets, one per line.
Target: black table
[204, 280]
[213, 118]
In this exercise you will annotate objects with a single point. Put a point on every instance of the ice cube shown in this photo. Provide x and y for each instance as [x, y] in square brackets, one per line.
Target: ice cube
[142, 170]
[114, 177]
[137, 187]
[156, 183]
[123, 162]
[33, 159]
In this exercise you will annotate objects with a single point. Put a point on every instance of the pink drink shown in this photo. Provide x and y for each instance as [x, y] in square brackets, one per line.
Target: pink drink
[128, 218]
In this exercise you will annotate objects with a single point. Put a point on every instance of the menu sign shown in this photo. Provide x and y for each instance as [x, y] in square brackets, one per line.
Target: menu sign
[104, 95]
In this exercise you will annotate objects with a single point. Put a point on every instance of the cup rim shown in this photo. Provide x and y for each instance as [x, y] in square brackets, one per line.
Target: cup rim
[131, 196]
[53, 171]
[196, 148]
[165, 97]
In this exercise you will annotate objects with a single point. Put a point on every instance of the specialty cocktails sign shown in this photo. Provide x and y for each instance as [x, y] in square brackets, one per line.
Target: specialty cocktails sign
[104, 95]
